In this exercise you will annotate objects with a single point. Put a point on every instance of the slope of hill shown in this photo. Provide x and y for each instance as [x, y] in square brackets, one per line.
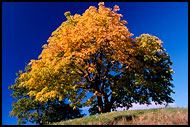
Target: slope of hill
[159, 116]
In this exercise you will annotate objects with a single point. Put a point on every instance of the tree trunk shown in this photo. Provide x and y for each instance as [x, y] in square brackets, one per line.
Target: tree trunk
[100, 104]
[107, 105]
[107, 108]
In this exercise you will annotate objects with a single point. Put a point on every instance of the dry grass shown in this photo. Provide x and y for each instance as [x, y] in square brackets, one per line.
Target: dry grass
[160, 117]
[164, 116]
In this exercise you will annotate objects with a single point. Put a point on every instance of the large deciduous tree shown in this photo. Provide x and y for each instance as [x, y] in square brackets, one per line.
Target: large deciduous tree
[95, 52]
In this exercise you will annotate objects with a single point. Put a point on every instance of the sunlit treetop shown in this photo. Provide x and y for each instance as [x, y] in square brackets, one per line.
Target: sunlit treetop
[80, 37]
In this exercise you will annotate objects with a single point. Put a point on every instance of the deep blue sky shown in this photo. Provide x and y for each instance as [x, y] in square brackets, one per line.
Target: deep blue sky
[27, 26]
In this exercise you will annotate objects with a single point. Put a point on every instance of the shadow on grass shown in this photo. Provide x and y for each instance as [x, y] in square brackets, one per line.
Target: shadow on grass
[123, 119]
[127, 118]
[120, 119]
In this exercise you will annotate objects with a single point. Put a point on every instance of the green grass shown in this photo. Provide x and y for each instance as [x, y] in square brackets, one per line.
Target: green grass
[161, 116]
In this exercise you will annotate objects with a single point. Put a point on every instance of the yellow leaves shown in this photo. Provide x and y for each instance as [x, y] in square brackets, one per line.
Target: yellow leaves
[56, 68]
[68, 13]
[159, 42]
[32, 93]
[149, 44]
[42, 97]
[92, 8]
[136, 83]
[88, 102]
[44, 46]
[40, 56]
[31, 61]
[171, 70]
[143, 44]
[101, 3]
[80, 37]
[20, 71]
[52, 94]
[92, 11]
[22, 84]
[30, 81]
[74, 107]
[76, 16]
[124, 22]
[60, 98]
[44, 89]
[116, 8]
[38, 96]
[96, 92]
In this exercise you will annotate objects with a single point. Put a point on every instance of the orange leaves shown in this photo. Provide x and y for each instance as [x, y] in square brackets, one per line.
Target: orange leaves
[79, 39]
[102, 25]
[124, 22]
[31, 61]
[101, 3]
[67, 13]
[76, 16]
[85, 75]
[116, 8]
[44, 46]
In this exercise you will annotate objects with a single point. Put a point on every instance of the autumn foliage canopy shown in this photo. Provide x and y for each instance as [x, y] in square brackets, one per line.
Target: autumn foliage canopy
[95, 52]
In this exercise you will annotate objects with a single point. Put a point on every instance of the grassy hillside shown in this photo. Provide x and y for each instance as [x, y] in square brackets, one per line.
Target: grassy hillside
[161, 116]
